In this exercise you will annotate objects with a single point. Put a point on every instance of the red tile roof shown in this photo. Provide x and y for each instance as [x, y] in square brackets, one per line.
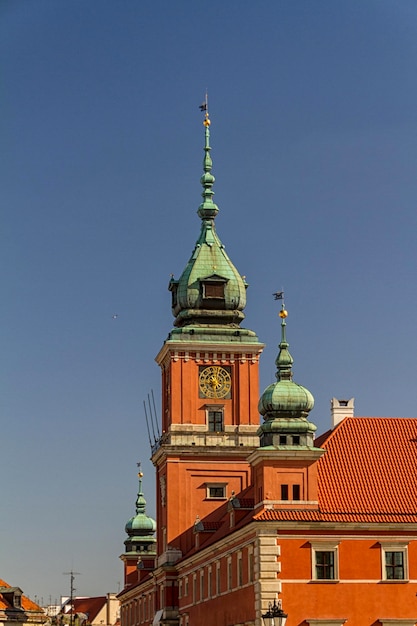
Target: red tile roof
[90, 606]
[368, 475]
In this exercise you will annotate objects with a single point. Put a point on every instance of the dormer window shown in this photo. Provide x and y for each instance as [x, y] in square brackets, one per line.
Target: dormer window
[213, 291]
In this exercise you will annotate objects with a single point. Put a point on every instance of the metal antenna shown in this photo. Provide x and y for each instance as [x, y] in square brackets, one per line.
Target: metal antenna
[153, 418]
[155, 413]
[147, 425]
[72, 589]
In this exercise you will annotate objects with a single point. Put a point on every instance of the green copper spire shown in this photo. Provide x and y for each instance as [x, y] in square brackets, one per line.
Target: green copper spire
[209, 298]
[207, 210]
[285, 404]
[284, 359]
[140, 528]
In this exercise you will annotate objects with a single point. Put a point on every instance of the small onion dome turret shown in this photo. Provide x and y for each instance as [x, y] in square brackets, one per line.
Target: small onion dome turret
[285, 405]
[140, 528]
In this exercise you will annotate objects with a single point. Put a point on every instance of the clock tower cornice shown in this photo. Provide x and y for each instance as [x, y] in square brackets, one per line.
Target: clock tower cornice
[209, 352]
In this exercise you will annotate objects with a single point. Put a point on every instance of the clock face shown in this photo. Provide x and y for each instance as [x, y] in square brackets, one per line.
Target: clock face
[215, 382]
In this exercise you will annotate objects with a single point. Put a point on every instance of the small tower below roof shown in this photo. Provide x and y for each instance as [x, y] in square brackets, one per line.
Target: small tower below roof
[140, 552]
[285, 464]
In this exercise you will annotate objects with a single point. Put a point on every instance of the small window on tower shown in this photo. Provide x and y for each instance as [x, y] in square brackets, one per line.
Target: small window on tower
[216, 491]
[215, 421]
[296, 440]
[284, 492]
[296, 492]
[214, 290]
[283, 440]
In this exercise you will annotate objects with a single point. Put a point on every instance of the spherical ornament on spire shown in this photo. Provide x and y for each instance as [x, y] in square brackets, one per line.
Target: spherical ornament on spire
[206, 121]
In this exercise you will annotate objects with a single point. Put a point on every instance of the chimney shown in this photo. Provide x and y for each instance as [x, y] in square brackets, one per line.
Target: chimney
[341, 409]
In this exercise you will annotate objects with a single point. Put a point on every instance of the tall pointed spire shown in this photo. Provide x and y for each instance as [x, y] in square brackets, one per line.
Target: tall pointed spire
[284, 359]
[207, 210]
[210, 296]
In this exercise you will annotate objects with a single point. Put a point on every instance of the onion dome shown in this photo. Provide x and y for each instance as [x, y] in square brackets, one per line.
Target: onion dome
[210, 292]
[285, 404]
[140, 528]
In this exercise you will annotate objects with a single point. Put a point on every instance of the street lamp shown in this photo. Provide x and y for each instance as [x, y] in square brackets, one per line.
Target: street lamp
[274, 616]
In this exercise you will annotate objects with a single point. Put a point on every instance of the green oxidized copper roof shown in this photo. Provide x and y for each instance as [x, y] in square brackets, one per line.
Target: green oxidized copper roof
[140, 527]
[285, 404]
[210, 293]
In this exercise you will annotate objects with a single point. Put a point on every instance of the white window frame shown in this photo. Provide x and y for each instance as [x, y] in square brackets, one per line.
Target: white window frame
[216, 486]
[217, 408]
[325, 546]
[400, 546]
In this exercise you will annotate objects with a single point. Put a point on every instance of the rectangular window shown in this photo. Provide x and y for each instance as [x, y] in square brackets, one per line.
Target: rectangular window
[250, 564]
[394, 565]
[213, 290]
[239, 570]
[229, 574]
[218, 579]
[324, 558]
[283, 440]
[215, 421]
[201, 585]
[284, 492]
[216, 492]
[296, 440]
[394, 561]
[296, 492]
[324, 565]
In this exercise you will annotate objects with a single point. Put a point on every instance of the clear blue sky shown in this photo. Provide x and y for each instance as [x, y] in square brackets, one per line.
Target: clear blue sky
[314, 120]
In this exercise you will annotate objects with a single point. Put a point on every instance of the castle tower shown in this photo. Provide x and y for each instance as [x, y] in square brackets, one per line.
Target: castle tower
[285, 464]
[140, 545]
[210, 386]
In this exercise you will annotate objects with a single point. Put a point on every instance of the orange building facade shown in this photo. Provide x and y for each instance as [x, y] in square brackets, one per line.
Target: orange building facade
[252, 513]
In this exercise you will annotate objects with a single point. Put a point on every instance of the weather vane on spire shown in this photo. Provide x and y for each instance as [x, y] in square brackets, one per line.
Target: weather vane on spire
[139, 466]
[204, 107]
[279, 295]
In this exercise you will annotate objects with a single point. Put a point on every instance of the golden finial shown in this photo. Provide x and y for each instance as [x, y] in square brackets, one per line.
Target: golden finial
[283, 313]
[204, 107]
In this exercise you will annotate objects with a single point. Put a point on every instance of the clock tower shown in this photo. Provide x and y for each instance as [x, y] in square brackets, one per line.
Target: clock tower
[210, 387]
